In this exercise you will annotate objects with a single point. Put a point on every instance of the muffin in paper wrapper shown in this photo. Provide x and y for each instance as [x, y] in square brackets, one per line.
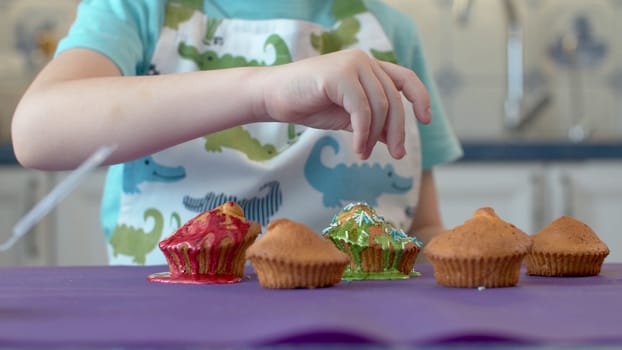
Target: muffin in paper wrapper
[566, 247]
[291, 255]
[485, 251]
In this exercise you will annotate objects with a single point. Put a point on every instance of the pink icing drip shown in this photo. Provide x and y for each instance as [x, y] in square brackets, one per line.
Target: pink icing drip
[193, 279]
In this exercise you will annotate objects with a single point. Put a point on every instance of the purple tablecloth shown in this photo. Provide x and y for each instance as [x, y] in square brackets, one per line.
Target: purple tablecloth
[117, 306]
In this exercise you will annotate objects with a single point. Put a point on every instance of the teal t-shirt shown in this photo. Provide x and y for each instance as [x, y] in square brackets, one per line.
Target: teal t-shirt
[127, 32]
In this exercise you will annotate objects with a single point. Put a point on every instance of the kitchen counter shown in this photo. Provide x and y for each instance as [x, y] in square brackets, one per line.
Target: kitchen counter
[492, 151]
[540, 151]
[116, 307]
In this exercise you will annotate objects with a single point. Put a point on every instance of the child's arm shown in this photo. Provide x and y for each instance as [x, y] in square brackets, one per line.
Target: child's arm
[80, 101]
[427, 222]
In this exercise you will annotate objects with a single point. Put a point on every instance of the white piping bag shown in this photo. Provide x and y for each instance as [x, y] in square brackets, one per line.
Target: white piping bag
[51, 200]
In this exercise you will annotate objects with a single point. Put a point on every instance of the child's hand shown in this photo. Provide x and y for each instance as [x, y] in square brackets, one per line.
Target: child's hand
[347, 90]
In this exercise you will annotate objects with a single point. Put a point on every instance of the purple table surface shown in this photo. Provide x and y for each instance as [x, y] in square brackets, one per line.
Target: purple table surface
[114, 306]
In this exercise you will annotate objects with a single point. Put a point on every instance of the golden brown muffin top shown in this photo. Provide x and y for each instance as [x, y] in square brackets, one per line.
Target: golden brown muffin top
[483, 235]
[294, 242]
[568, 235]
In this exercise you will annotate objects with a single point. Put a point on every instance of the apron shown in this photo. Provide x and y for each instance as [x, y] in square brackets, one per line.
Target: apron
[271, 170]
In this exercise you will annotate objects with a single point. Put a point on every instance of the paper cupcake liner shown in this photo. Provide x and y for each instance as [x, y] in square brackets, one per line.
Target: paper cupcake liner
[230, 259]
[283, 274]
[407, 261]
[558, 264]
[372, 259]
[491, 272]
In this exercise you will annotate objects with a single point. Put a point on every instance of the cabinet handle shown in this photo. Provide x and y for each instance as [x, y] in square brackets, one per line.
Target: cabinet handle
[538, 204]
[567, 196]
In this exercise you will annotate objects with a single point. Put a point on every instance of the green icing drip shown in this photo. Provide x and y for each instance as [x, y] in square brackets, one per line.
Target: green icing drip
[392, 275]
[356, 251]
[386, 242]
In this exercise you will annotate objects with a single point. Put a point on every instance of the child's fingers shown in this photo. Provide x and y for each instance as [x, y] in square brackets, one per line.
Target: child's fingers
[409, 83]
[375, 89]
[392, 131]
[355, 101]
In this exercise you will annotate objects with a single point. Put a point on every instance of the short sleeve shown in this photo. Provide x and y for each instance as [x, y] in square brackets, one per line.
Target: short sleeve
[126, 31]
[439, 143]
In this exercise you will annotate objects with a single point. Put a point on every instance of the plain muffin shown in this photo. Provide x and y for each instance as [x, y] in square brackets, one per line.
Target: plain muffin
[291, 255]
[485, 251]
[566, 247]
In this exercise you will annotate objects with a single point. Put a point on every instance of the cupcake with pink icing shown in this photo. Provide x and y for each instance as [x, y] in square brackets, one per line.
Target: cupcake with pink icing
[210, 248]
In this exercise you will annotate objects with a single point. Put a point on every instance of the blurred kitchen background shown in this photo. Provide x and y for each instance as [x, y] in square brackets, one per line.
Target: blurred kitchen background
[532, 87]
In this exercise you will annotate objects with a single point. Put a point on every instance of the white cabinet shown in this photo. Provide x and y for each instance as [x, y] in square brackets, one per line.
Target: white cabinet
[532, 194]
[79, 238]
[591, 192]
[69, 235]
[513, 190]
[20, 189]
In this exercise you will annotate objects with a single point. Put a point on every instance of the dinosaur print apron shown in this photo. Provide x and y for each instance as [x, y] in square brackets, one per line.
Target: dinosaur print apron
[271, 169]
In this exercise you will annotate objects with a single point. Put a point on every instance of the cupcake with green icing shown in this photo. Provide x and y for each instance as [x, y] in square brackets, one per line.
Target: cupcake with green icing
[377, 249]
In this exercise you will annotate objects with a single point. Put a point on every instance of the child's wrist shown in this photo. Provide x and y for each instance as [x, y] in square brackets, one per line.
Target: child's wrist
[257, 83]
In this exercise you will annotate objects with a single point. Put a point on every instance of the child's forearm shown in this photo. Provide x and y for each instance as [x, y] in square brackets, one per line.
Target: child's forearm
[80, 101]
[427, 222]
[58, 123]
[425, 235]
